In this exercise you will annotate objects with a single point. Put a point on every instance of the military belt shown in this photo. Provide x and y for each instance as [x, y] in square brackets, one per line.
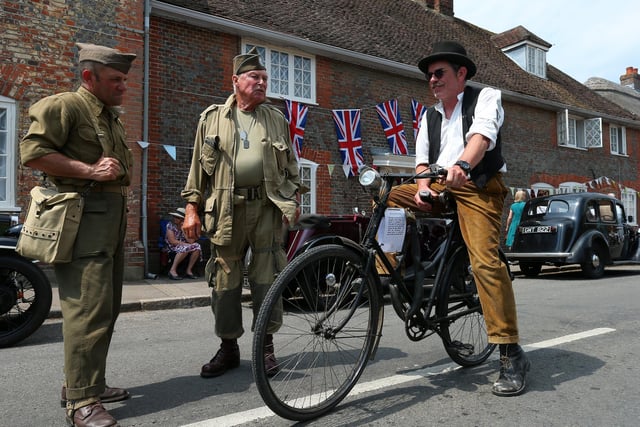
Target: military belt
[95, 188]
[249, 193]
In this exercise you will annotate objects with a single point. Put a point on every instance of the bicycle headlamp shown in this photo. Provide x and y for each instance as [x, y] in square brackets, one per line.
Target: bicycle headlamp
[369, 177]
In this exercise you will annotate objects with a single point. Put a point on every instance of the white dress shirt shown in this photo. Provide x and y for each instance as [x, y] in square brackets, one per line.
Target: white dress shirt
[487, 120]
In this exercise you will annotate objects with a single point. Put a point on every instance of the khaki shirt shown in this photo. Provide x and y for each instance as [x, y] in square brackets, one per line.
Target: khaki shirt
[211, 177]
[61, 124]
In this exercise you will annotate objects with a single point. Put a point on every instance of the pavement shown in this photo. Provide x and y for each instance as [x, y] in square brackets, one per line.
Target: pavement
[163, 293]
[156, 294]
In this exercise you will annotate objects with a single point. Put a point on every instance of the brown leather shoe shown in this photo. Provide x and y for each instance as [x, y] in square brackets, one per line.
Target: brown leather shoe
[225, 359]
[111, 394]
[92, 415]
[270, 362]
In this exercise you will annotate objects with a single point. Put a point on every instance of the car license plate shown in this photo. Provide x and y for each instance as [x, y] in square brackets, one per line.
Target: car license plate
[537, 229]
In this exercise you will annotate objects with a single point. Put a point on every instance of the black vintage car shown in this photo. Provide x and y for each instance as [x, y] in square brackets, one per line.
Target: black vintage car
[589, 229]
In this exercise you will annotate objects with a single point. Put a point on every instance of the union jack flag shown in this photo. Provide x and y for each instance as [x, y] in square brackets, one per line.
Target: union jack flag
[296, 114]
[349, 138]
[417, 111]
[392, 124]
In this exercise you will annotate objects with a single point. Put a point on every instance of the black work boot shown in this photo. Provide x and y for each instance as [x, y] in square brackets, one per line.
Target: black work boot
[270, 362]
[514, 366]
[227, 357]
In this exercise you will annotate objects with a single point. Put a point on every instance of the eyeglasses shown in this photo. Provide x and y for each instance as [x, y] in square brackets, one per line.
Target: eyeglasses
[437, 73]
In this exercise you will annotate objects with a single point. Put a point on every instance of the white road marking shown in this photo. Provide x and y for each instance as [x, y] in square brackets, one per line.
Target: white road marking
[264, 412]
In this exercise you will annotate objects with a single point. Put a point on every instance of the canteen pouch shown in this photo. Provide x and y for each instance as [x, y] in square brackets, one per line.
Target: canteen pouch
[51, 227]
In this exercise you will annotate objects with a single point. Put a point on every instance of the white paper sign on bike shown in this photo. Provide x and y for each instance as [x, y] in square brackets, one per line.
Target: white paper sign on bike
[392, 230]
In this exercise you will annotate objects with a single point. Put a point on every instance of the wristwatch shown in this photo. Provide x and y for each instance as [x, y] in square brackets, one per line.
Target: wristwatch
[466, 167]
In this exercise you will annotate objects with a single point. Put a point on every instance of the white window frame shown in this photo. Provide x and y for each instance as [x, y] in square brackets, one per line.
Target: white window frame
[308, 174]
[8, 155]
[536, 61]
[571, 187]
[530, 57]
[297, 74]
[629, 199]
[618, 140]
[577, 132]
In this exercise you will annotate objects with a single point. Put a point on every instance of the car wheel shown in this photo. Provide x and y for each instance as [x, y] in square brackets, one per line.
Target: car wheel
[530, 269]
[593, 268]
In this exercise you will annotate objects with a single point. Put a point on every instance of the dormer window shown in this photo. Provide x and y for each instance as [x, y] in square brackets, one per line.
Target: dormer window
[525, 49]
[530, 57]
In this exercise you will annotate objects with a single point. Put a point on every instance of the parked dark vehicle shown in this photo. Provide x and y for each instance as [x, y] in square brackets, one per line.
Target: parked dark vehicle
[589, 229]
[25, 292]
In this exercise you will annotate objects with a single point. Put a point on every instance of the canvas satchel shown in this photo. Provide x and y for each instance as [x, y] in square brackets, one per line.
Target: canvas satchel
[51, 227]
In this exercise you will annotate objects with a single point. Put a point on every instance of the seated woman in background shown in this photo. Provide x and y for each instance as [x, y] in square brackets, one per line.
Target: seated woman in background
[177, 242]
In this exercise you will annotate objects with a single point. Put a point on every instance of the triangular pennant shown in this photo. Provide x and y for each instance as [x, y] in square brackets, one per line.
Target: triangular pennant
[171, 150]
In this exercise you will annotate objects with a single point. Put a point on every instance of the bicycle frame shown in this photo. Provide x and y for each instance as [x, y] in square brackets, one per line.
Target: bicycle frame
[334, 325]
[413, 317]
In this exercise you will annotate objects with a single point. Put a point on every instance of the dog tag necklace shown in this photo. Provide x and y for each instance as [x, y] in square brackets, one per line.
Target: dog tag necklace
[244, 134]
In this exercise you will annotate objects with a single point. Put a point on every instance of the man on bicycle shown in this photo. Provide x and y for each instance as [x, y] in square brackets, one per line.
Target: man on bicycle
[462, 133]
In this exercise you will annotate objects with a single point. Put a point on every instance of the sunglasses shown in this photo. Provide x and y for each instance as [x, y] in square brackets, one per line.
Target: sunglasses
[437, 73]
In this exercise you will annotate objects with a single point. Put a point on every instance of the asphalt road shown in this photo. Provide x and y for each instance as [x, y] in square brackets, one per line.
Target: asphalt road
[582, 339]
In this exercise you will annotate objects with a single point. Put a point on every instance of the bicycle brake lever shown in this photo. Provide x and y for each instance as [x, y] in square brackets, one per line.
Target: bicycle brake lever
[425, 196]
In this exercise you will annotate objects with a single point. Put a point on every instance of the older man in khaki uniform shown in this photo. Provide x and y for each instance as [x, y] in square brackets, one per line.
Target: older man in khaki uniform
[78, 141]
[245, 175]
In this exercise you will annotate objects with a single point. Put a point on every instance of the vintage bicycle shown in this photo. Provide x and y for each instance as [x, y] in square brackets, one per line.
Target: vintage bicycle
[333, 327]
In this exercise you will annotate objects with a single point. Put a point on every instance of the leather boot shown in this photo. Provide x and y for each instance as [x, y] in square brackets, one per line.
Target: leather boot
[227, 357]
[514, 366]
[91, 415]
[270, 362]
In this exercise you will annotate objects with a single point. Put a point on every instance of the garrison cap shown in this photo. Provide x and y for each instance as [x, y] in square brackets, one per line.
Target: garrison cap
[247, 62]
[105, 55]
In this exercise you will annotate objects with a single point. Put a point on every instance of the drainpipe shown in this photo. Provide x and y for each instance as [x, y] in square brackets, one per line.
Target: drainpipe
[145, 138]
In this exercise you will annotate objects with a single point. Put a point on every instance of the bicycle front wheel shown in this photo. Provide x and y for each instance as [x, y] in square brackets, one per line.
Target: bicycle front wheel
[462, 328]
[328, 332]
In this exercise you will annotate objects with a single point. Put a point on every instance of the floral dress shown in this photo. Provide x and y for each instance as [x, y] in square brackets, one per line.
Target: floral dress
[183, 246]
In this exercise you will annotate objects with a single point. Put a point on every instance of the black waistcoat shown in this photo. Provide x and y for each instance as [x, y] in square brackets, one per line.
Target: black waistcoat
[492, 160]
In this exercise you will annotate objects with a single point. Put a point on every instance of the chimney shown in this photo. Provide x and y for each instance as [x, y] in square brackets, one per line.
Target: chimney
[444, 7]
[631, 79]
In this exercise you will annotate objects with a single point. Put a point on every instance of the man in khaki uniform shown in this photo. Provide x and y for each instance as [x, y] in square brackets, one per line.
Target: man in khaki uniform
[77, 139]
[245, 175]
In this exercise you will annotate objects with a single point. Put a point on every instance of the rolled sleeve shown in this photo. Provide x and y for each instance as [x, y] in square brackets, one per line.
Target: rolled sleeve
[488, 116]
[49, 129]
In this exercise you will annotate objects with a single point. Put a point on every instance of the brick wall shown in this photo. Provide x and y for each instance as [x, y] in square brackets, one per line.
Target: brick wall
[38, 58]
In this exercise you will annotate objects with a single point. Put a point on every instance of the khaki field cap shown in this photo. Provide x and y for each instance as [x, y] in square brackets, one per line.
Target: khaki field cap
[105, 55]
[247, 62]
[448, 51]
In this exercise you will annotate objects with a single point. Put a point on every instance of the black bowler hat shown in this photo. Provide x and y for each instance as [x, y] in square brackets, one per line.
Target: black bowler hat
[448, 51]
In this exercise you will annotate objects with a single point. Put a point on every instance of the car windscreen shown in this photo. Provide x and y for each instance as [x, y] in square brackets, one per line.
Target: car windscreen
[545, 207]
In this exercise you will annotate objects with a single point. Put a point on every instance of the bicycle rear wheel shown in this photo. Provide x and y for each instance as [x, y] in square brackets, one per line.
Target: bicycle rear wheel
[463, 330]
[327, 333]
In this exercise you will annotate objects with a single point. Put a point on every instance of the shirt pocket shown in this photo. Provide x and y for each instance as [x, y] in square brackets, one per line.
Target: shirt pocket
[210, 217]
[281, 152]
[210, 154]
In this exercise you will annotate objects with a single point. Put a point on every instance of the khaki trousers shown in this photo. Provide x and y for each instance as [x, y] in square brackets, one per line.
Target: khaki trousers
[90, 289]
[257, 224]
[480, 217]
